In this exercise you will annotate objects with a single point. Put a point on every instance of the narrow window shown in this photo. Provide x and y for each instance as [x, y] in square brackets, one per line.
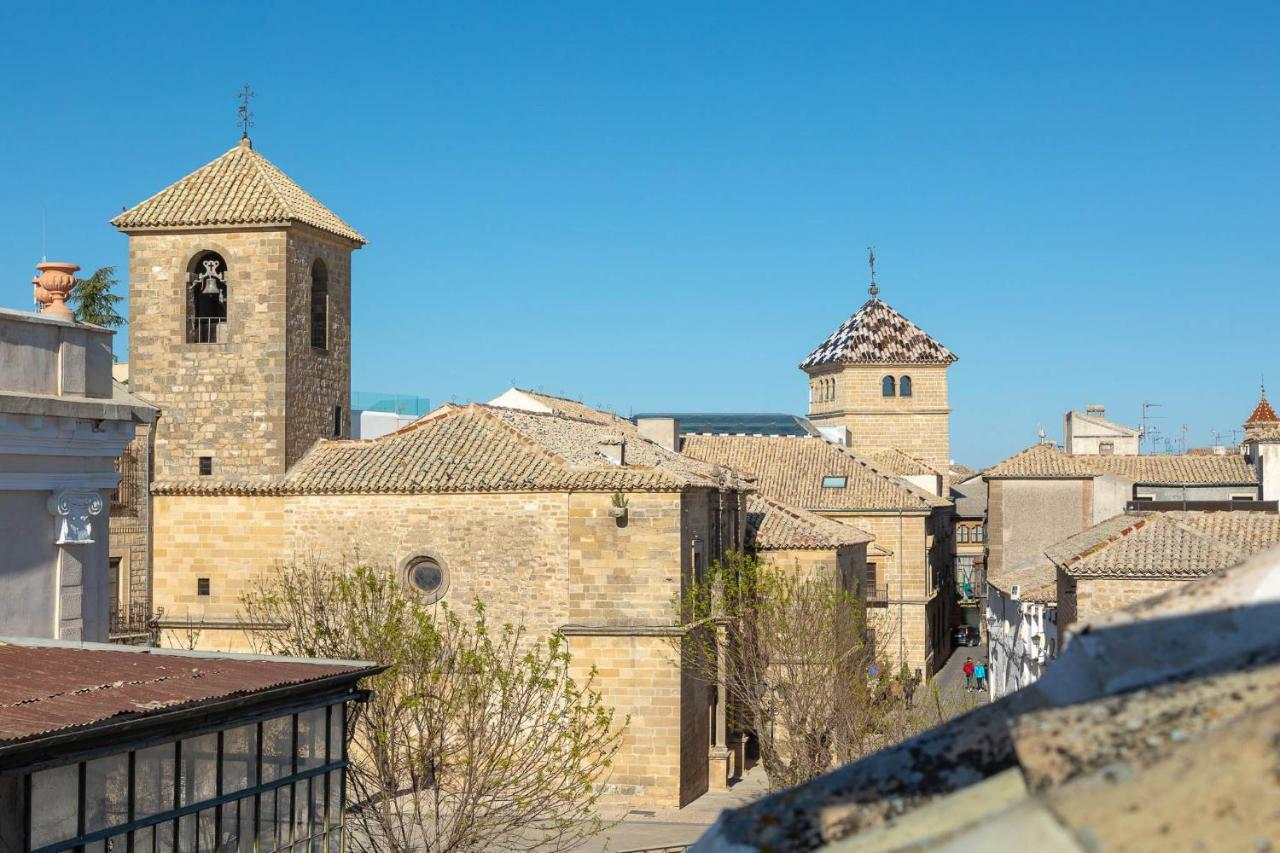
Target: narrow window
[206, 466]
[887, 387]
[207, 299]
[963, 532]
[979, 532]
[1106, 448]
[904, 386]
[319, 305]
[202, 586]
[337, 422]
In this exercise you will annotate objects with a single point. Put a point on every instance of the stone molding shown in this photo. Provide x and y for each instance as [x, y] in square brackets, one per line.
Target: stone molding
[75, 509]
[41, 482]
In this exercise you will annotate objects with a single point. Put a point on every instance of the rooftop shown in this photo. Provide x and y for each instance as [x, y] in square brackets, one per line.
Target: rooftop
[1036, 578]
[48, 687]
[775, 526]
[479, 448]
[1041, 461]
[970, 497]
[901, 464]
[792, 470]
[737, 423]
[239, 188]
[1149, 715]
[1177, 544]
[877, 334]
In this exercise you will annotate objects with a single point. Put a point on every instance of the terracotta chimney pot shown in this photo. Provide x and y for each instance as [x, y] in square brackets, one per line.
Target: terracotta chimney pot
[53, 286]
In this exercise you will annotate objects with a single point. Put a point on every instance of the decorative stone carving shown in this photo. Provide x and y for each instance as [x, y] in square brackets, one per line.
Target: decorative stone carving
[75, 509]
[56, 280]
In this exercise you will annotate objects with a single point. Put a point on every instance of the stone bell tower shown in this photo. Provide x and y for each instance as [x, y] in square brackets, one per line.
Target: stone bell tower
[240, 319]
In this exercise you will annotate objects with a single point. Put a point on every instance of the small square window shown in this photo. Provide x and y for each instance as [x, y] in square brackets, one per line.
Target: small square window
[206, 466]
[834, 482]
[202, 586]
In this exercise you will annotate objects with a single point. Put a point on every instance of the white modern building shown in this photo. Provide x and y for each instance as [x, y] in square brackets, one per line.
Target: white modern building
[63, 424]
[1091, 434]
[1022, 624]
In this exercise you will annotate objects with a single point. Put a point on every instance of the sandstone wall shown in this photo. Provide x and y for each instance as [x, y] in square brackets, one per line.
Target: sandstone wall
[1095, 596]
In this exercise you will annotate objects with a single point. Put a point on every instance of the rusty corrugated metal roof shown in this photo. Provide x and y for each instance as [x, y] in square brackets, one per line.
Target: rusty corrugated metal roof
[47, 689]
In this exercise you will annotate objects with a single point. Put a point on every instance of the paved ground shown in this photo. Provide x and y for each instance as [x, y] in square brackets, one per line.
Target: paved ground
[950, 679]
[654, 828]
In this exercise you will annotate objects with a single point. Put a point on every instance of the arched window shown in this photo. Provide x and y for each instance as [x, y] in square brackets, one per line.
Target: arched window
[904, 386]
[319, 305]
[886, 386]
[207, 299]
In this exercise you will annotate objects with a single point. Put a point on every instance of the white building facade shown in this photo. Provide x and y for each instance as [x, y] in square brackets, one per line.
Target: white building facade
[63, 424]
[1022, 625]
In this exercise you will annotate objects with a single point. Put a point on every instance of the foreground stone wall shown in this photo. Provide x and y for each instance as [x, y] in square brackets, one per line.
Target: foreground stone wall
[1095, 596]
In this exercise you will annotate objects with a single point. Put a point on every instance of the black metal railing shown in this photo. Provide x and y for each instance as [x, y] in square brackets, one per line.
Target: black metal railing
[128, 495]
[877, 594]
[133, 623]
[207, 330]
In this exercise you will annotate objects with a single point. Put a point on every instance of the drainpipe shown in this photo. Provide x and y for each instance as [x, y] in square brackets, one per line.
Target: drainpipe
[902, 593]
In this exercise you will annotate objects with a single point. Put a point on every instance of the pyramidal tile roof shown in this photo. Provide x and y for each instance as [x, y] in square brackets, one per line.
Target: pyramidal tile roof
[239, 188]
[877, 334]
[1263, 413]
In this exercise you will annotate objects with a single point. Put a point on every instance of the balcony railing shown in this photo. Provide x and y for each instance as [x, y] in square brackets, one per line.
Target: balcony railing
[877, 594]
[133, 624]
[207, 330]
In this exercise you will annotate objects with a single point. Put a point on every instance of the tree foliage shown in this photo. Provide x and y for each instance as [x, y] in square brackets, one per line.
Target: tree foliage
[474, 737]
[93, 300]
[793, 652]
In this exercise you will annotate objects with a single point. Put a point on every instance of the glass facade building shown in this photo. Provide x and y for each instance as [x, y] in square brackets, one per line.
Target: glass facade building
[270, 784]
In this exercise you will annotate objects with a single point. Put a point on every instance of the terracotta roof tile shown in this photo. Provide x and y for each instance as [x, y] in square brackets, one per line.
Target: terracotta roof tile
[1036, 578]
[775, 526]
[878, 334]
[791, 469]
[1045, 462]
[1179, 544]
[239, 188]
[901, 464]
[479, 448]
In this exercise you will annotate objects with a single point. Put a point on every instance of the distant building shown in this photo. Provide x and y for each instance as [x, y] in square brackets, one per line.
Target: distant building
[1089, 433]
[374, 415]
[1022, 624]
[1262, 447]
[1136, 555]
[63, 424]
[110, 748]
[735, 423]
[908, 584]
[1042, 495]
[884, 380]
[970, 497]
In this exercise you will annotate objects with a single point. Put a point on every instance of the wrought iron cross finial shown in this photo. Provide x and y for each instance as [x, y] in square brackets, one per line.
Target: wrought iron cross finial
[871, 261]
[246, 117]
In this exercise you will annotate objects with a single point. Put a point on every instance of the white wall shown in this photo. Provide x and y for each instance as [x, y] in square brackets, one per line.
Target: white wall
[367, 425]
[1022, 640]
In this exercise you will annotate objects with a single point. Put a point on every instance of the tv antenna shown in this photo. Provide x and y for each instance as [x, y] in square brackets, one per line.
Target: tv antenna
[245, 121]
[1149, 433]
[1186, 428]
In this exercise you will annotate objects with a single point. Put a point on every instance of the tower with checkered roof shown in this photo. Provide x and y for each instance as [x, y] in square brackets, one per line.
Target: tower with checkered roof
[884, 379]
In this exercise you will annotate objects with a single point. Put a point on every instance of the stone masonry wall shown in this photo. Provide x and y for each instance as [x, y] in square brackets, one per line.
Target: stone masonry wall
[318, 379]
[907, 574]
[225, 400]
[918, 424]
[1095, 596]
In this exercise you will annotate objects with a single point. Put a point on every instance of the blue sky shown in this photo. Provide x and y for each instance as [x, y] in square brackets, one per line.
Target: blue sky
[667, 205]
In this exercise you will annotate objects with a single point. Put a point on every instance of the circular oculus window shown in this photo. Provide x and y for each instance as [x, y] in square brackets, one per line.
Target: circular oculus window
[427, 576]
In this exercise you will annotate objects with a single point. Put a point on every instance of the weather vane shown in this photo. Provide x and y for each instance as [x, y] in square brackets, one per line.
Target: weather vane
[871, 261]
[246, 117]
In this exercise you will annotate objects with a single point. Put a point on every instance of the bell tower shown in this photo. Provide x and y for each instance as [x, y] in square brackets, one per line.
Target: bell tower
[240, 319]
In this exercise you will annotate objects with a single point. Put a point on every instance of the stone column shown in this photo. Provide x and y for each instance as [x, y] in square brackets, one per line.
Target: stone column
[719, 767]
[75, 510]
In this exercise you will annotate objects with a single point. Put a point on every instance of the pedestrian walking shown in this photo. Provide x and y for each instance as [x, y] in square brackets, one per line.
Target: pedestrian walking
[968, 673]
[980, 674]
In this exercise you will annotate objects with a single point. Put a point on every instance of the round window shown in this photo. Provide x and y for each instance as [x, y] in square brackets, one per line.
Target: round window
[427, 575]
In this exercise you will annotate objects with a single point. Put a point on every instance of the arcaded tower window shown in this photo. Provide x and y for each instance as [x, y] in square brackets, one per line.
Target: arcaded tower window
[904, 386]
[319, 305]
[207, 299]
[887, 387]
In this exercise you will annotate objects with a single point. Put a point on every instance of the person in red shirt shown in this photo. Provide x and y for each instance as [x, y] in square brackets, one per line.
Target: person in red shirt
[968, 673]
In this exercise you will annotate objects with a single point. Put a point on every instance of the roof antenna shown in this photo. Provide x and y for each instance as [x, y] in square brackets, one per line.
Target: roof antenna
[44, 238]
[871, 261]
[246, 117]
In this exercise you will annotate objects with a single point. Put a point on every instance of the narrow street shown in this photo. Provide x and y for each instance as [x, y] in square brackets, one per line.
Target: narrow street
[950, 679]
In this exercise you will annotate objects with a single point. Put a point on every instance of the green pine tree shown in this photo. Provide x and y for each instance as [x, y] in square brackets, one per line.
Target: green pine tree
[93, 301]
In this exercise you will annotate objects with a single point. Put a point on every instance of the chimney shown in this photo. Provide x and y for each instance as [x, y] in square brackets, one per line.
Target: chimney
[1096, 411]
[664, 432]
[614, 450]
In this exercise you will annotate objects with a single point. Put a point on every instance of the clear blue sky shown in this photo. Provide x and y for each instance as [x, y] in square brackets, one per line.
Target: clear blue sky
[666, 205]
